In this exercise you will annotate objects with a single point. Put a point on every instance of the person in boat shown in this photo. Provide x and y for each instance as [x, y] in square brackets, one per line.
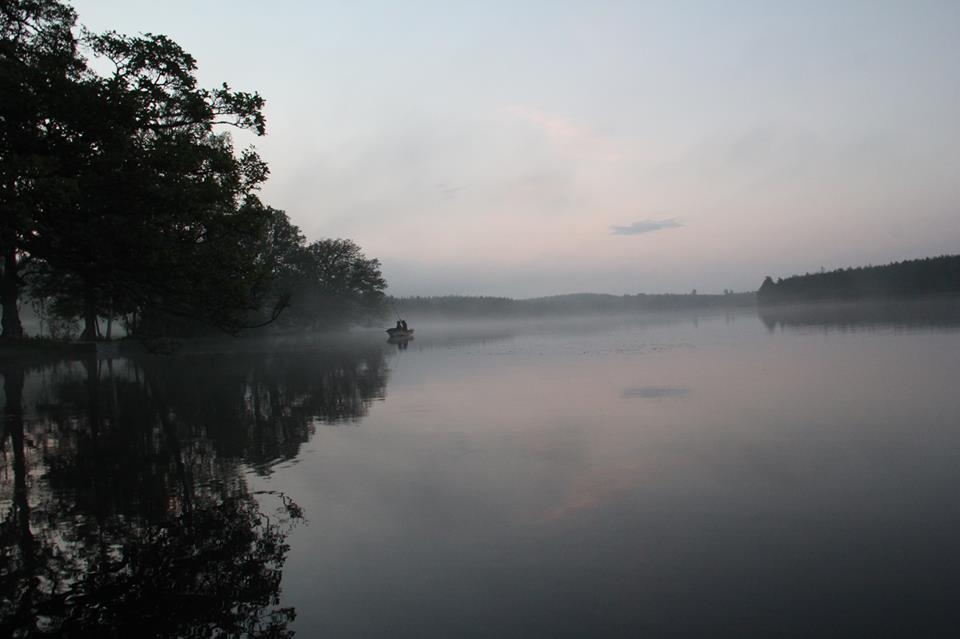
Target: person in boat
[400, 325]
[404, 325]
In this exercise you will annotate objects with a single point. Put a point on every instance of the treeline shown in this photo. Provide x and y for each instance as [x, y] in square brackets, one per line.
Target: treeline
[122, 195]
[453, 306]
[910, 278]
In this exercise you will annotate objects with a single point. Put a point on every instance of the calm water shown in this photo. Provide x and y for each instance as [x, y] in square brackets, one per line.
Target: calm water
[668, 476]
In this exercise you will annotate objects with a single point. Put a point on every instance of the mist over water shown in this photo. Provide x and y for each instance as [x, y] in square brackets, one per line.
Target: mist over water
[725, 474]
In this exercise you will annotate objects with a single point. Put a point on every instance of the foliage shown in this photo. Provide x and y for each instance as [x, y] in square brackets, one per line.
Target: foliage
[123, 196]
[158, 225]
[330, 283]
[38, 67]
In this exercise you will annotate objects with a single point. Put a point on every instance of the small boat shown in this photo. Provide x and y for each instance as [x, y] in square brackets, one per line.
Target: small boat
[399, 333]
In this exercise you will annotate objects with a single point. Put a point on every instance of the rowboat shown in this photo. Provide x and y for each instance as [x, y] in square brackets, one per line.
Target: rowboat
[399, 333]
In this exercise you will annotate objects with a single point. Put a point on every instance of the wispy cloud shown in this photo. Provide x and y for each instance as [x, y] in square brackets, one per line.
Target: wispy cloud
[655, 392]
[448, 191]
[568, 134]
[646, 226]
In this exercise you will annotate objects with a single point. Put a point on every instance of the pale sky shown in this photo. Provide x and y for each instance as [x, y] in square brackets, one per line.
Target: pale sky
[533, 148]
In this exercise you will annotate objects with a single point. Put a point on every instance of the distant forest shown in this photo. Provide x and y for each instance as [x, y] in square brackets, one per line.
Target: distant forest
[463, 307]
[911, 278]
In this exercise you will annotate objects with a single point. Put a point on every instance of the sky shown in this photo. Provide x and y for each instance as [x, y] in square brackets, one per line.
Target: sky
[536, 148]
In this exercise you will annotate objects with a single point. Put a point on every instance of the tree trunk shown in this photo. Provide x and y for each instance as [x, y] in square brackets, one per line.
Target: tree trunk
[184, 476]
[109, 334]
[90, 328]
[25, 598]
[13, 378]
[9, 294]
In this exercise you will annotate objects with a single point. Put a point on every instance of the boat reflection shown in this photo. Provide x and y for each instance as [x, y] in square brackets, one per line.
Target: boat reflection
[400, 341]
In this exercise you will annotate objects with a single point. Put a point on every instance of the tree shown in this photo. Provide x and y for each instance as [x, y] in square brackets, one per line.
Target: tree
[160, 222]
[326, 284]
[332, 283]
[122, 183]
[38, 65]
[122, 194]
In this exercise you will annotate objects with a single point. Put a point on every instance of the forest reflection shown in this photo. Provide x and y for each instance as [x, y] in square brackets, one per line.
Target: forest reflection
[941, 313]
[123, 490]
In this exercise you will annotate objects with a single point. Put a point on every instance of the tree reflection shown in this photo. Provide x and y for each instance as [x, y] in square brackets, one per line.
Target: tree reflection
[124, 501]
[935, 313]
[262, 406]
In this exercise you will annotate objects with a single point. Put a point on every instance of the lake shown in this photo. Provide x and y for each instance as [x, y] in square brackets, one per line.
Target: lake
[742, 474]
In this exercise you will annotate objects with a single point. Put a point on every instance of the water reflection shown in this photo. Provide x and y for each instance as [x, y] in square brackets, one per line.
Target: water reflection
[566, 478]
[402, 343]
[509, 488]
[124, 491]
[937, 313]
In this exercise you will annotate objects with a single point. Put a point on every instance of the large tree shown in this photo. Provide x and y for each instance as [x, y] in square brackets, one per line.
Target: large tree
[39, 66]
[160, 223]
[123, 183]
[122, 193]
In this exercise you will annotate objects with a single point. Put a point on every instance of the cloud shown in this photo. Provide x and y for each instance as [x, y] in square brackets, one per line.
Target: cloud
[645, 226]
[655, 392]
[448, 191]
[576, 138]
